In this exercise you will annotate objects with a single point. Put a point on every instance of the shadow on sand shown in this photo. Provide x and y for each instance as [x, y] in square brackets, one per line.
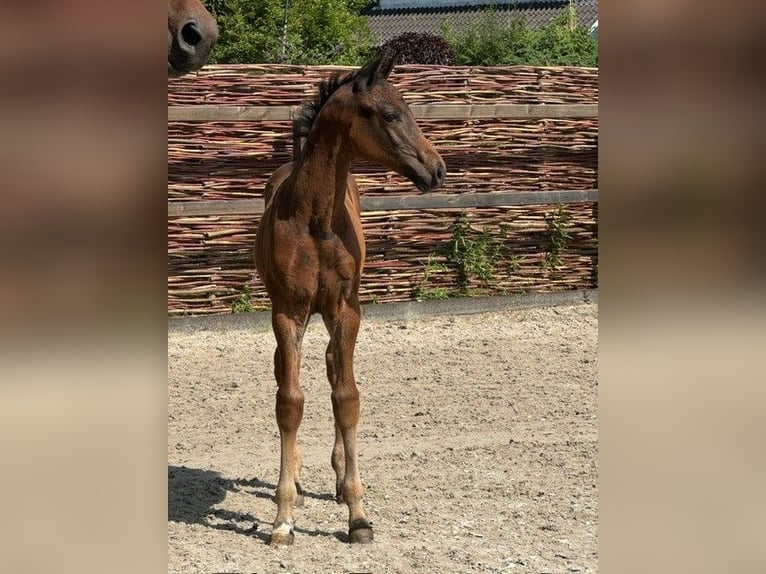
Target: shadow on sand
[194, 493]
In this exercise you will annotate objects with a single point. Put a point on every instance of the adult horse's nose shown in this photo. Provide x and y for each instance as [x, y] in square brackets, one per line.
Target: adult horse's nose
[190, 35]
[438, 174]
[197, 39]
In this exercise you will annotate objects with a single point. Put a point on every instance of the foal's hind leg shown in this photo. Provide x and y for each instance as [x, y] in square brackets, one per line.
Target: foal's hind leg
[338, 458]
[289, 412]
[344, 328]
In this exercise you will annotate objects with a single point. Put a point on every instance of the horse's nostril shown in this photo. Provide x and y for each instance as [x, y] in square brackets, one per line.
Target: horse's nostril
[191, 34]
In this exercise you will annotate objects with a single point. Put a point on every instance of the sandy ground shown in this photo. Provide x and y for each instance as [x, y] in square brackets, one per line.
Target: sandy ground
[478, 447]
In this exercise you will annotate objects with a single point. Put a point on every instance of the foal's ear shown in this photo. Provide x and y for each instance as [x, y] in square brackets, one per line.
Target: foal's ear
[376, 69]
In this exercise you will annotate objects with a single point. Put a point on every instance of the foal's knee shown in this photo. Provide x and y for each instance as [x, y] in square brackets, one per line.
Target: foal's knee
[289, 408]
[345, 405]
[345, 396]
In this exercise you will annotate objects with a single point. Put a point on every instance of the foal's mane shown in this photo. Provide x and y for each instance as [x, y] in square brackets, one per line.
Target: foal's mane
[310, 110]
[375, 70]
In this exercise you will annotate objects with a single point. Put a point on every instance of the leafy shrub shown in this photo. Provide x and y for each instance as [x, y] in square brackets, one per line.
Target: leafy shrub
[495, 42]
[421, 48]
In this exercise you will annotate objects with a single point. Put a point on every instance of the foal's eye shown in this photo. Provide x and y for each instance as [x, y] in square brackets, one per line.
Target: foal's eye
[391, 117]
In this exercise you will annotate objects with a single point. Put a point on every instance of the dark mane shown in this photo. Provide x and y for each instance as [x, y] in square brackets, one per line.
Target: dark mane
[310, 110]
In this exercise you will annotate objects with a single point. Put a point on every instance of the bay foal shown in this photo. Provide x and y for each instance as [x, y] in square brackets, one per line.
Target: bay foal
[309, 252]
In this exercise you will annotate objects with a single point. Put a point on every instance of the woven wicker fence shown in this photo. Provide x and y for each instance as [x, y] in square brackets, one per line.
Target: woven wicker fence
[411, 253]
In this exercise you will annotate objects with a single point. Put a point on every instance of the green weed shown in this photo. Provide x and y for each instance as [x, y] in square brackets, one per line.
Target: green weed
[243, 303]
[556, 224]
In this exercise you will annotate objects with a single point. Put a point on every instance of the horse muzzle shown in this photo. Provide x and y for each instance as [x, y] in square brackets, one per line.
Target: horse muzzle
[189, 48]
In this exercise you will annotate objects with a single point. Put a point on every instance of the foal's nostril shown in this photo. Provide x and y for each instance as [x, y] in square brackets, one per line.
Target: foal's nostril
[191, 34]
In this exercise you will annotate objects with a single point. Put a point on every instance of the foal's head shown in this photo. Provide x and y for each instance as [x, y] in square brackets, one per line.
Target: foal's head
[192, 32]
[380, 125]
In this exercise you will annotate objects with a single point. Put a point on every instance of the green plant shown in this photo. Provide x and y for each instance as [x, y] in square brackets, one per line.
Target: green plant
[432, 294]
[422, 290]
[243, 303]
[514, 261]
[558, 236]
[474, 256]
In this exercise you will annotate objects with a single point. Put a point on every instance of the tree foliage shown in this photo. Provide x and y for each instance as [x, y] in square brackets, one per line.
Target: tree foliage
[317, 31]
[493, 42]
[334, 32]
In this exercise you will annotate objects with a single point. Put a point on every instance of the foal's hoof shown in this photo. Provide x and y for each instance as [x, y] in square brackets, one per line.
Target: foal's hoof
[282, 535]
[360, 532]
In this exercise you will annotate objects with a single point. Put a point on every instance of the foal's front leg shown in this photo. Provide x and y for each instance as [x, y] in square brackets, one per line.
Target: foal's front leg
[345, 403]
[289, 412]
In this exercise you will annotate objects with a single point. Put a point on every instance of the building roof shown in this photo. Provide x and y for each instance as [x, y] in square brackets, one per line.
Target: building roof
[429, 16]
[422, 4]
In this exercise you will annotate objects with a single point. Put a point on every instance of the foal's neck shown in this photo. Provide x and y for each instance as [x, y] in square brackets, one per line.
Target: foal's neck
[321, 175]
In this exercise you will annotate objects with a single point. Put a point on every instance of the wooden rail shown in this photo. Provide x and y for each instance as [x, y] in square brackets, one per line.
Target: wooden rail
[396, 202]
[204, 113]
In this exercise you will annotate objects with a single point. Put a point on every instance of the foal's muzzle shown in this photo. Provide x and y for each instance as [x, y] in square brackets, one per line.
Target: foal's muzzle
[438, 174]
[430, 174]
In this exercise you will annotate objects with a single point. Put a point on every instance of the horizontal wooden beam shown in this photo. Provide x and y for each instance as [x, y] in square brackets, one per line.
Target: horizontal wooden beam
[397, 202]
[207, 113]
[204, 113]
[503, 111]
[489, 199]
[221, 207]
